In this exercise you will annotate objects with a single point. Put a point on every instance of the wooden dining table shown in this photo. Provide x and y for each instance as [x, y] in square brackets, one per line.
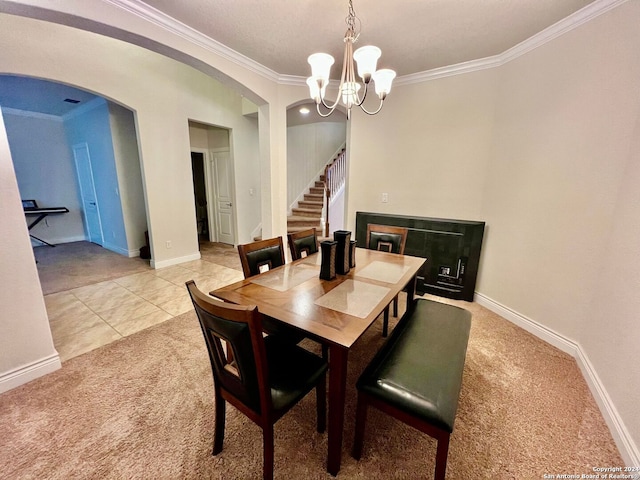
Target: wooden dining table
[333, 312]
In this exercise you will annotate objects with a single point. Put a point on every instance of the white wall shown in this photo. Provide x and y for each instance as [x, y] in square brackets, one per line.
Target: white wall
[247, 187]
[309, 148]
[122, 72]
[127, 161]
[26, 346]
[92, 127]
[46, 172]
[428, 149]
[565, 123]
[539, 149]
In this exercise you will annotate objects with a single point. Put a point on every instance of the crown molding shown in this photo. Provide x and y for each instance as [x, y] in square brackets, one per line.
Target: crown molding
[28, 113]
[172, 25]
[565, 25]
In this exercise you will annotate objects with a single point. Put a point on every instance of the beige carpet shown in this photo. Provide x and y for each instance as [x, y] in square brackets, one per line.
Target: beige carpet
[142, 407]
[75, 264]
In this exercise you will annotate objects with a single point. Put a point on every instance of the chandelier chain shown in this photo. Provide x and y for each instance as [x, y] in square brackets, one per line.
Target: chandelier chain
[353, 23]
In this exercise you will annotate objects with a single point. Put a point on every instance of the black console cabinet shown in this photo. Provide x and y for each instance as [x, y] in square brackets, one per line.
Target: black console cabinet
[451, 247]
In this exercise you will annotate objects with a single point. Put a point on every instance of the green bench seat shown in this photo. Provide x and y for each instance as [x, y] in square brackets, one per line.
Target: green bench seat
[417, 374]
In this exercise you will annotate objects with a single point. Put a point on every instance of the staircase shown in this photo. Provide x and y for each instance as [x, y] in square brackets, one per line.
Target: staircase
[308, 213]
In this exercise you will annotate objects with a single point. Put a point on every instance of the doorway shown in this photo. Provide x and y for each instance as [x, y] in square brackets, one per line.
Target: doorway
[200, 195]
[93, 223]
[213, 195]
[213, 183]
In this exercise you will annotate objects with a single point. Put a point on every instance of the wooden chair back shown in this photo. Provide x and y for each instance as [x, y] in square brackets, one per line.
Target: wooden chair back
[303, 243]
[261, 256]
[386, 238]
[243, 374]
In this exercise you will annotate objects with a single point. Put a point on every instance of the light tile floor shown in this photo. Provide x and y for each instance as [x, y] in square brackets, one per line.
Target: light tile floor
[89, 317]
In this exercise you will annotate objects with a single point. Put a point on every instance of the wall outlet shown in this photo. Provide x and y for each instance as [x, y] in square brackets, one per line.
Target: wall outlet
[385, 197]
[168, 243]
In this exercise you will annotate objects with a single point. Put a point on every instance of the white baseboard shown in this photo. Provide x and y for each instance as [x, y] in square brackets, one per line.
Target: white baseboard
[175, 261]
[531, 326]
[628, 449]
[116, 248]
[134, 253]
[58, 241]
[21, 375]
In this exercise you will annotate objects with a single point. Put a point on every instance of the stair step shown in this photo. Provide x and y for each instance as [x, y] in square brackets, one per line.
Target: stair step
[298, 228]
[312, 197]
[319, 184]
[309, 204]
[306, 212]
[302, 221]
[317, 191]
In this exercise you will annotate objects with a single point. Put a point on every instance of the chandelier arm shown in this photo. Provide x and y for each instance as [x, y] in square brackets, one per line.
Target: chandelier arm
[342, 79]
[324, 114]
[359, 101]
[371, 113]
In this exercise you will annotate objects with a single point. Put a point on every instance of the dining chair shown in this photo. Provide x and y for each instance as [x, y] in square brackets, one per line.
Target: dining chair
[303, 243]
[259, 257]
[262, 379]
[388, 239]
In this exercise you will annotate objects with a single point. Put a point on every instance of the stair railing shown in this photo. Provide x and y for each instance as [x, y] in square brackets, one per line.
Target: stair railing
[334, 179]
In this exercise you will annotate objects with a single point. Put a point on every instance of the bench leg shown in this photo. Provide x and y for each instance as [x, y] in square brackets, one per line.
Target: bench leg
[361, 418]
[441, 456]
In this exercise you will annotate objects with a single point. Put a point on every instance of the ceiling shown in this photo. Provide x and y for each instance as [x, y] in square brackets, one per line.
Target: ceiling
[41, 96]
[415, 36]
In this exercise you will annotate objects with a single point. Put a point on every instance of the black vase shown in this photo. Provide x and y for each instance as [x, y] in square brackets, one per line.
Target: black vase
[352, 254]
[328, 262]
[343, 237]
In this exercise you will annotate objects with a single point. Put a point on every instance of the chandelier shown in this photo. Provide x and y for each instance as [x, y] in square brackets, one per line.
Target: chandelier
[349, 90]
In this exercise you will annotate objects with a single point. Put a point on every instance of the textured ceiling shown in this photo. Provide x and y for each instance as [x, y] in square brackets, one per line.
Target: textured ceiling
[415, 36]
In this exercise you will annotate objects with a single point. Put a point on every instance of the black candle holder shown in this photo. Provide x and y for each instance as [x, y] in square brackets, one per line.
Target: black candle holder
[328, 262]
[343, 237]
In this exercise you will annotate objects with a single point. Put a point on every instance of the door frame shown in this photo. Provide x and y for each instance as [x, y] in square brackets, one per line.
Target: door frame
[85, 146]
[213, 228]
[208, 157]
[211, 177]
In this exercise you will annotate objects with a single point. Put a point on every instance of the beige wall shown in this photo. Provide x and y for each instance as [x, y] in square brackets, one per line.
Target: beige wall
[120, 72]
[540, 148]
[428, 149]
[25, 337]
[545, 150]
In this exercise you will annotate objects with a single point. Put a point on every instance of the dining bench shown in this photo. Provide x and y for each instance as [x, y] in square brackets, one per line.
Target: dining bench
[416, 375]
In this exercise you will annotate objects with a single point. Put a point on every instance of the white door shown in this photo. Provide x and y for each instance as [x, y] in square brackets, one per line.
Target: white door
[223, 192]
[88, 193]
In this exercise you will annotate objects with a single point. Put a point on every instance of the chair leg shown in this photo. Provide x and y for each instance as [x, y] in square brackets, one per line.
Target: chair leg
[441, 457]
[385, 322]
[361, 418]
[218, 436]
[267, 467]
[321, 404]
[395, 306]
